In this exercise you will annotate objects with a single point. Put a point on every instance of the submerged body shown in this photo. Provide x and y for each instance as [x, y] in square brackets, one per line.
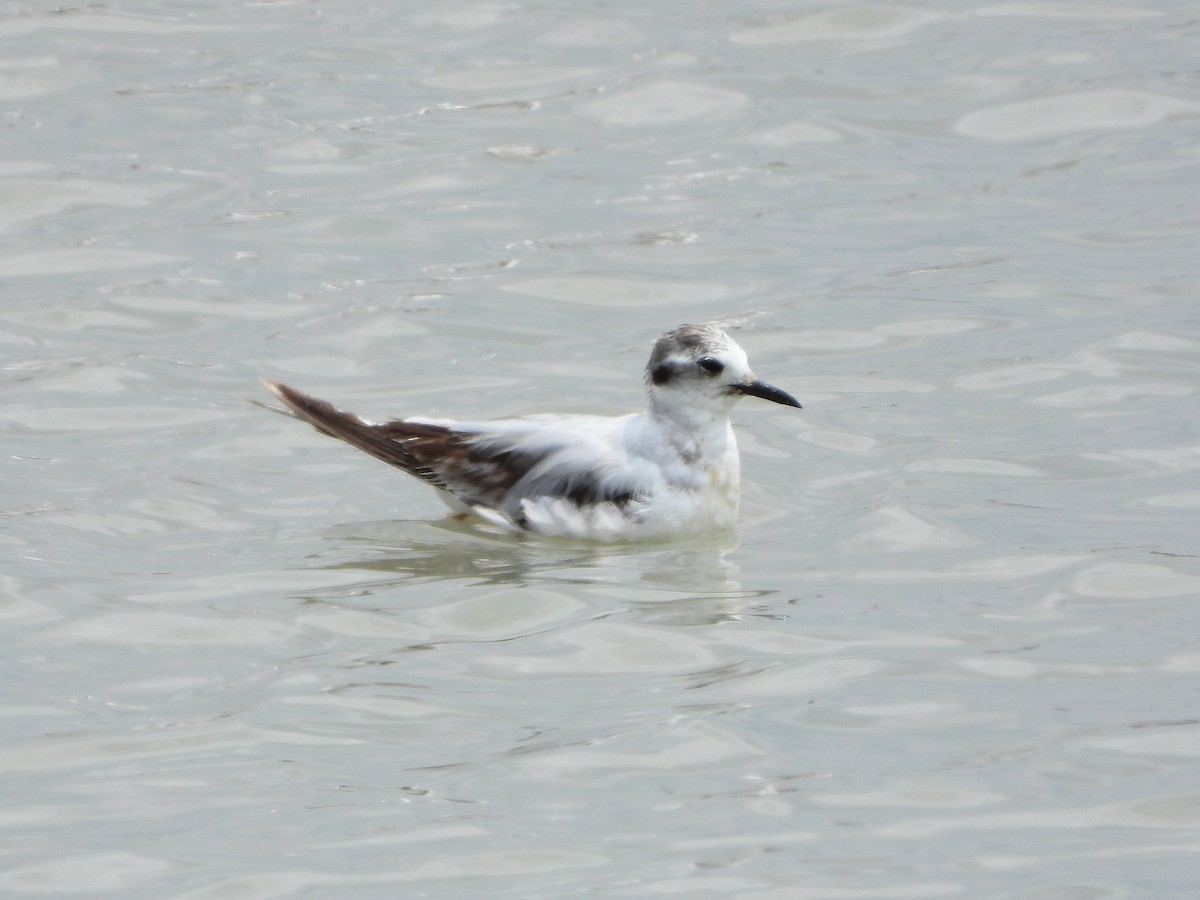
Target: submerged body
[672, 469]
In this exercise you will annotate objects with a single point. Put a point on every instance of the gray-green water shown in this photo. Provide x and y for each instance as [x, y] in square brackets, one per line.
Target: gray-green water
[953, 651]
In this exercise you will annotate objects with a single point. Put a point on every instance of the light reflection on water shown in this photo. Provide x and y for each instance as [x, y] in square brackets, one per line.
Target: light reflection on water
[481, 555]
[951, 651]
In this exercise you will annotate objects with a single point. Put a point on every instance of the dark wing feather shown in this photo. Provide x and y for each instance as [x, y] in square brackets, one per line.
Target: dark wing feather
[451, 460]
[373, 439]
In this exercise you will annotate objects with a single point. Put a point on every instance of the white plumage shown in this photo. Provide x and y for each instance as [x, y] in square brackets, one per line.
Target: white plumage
[672, 469]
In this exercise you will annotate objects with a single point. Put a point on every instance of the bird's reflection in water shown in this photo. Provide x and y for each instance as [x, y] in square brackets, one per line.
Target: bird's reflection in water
[465, 553]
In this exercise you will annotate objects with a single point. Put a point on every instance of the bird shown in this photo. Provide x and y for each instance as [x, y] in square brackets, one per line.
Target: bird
[668, 471]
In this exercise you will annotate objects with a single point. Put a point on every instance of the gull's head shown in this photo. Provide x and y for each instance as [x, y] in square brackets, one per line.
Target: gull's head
[700, 367]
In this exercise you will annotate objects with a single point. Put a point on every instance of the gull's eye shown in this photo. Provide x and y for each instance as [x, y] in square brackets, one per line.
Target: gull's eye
[710, 365]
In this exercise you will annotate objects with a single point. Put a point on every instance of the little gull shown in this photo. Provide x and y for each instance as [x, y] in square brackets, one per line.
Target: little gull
[670, 470]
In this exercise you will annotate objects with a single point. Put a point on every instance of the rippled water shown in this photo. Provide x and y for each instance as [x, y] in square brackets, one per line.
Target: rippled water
[952, 651]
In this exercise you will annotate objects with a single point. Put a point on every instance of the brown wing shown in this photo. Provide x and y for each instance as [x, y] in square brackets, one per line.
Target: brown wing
[447, 459]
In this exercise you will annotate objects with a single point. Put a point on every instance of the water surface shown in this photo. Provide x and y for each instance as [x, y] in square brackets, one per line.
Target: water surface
[951, 651]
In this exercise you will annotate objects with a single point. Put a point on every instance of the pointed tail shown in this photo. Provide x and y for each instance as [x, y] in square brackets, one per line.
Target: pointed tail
[330, 420]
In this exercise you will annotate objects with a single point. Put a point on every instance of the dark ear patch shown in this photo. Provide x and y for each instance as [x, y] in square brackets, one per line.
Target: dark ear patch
[662, 373]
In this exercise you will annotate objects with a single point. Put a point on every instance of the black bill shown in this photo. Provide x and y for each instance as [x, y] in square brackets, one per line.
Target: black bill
[767, 392]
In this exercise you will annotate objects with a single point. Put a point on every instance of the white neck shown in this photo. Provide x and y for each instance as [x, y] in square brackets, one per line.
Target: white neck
[697, 430]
